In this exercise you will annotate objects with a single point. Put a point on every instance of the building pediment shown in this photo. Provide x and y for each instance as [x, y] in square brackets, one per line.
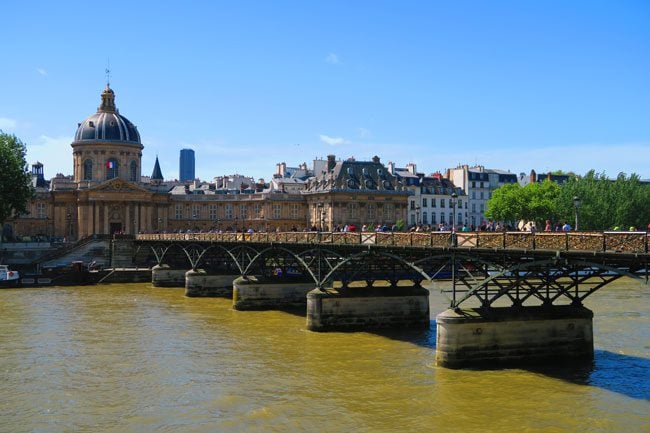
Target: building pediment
[118, 185]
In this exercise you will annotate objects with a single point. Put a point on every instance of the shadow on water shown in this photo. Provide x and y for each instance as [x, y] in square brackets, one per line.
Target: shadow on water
[615, 372]
[623, 374]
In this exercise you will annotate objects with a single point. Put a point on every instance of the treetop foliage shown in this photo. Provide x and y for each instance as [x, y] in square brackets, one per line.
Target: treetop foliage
[15, 180]
[604, 203]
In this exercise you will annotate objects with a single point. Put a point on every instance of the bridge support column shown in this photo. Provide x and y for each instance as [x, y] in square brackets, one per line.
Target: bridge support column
[164, 276]
[363, 308]
[513, 336]
[253, 293]
[200, 283]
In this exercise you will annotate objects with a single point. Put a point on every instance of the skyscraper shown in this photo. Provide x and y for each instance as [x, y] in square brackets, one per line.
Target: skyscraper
[186, 166]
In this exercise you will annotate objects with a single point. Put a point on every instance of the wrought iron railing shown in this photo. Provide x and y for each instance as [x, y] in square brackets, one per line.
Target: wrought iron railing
[624, 242]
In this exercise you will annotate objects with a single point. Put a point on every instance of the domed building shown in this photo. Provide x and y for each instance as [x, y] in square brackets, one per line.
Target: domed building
[105, 194]
[107, 145]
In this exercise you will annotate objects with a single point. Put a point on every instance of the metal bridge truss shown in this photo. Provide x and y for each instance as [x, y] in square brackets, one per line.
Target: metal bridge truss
[493, 277]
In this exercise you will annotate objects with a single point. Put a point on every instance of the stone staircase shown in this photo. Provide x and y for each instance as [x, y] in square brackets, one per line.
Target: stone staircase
[97, 249]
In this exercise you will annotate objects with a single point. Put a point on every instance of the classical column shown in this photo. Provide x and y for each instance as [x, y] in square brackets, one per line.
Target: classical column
[106, 227]
[136, 218]
[96, 228]
[149, 223]
[127, 223]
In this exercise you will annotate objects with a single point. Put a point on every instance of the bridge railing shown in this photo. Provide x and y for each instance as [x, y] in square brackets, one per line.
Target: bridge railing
[628, 242]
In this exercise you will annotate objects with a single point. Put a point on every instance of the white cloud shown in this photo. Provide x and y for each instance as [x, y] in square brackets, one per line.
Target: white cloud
[333, 141]
[332, 59]
[7, 125]
[41, 71]
[363, 132]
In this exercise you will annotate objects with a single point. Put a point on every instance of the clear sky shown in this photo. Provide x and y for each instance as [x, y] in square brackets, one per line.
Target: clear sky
[514, 85]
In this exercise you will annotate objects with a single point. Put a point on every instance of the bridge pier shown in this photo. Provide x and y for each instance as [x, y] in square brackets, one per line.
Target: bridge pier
[164, 276]
[367, 308]
[200, 283]
[513, 336]
[254, 293]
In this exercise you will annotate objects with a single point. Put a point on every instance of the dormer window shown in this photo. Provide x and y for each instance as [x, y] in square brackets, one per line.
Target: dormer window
[91, 124]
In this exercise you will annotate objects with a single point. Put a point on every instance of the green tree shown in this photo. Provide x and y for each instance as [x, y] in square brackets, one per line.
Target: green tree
[606, 203]
[506, 203]
[534, 202]
[15, 180]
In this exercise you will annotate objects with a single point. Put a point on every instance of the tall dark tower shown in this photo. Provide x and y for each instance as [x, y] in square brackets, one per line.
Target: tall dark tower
[186, 166]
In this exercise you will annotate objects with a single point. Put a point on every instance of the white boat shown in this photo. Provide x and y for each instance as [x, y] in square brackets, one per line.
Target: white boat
[9, 278]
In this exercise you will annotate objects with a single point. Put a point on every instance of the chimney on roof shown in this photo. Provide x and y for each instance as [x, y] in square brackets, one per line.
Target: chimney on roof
[533, 176]
[331, 162]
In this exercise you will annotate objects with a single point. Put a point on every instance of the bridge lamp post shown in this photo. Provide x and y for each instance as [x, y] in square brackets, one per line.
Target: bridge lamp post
[321, 214]
[454, 202]
[576, 204]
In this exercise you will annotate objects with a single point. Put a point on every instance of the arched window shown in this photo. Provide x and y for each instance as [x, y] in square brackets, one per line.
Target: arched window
[133, 171]
[112, 168]
[88, 169]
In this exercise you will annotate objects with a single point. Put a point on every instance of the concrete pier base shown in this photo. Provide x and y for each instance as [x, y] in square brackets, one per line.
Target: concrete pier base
[164, 276]
[251, 293]
[200, 283]
[513, 336]
[362, 308]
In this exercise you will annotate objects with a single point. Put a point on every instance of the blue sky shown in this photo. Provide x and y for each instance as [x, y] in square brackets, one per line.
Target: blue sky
[247, 84]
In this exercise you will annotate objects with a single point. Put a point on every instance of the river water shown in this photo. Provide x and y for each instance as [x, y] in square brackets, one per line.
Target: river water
[132, 358]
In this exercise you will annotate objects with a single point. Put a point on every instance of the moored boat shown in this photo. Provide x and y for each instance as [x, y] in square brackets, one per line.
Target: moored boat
[9, 278]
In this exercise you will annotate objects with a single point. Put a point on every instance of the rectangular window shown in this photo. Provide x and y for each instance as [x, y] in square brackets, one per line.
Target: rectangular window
[412, 205]
[473, 207]
[424, 202]
[433, 202]
[228, 211]
[243, 211]
[473, 184]
[353, 211]
[295, 210]
[460, 218]
[442, 218]
[481, 184]
[212, 212]
[389, 212]
[460, 204]
[277, 211]
[371, 212]
[178, 212]
[482, 207]
[196, 211]
[257, 209]
[442, 202]
[41, 210]
[433, 218]
[425, 218]
[481, 195]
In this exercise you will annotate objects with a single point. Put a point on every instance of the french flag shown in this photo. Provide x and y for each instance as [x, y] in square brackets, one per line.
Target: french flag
[110, 164]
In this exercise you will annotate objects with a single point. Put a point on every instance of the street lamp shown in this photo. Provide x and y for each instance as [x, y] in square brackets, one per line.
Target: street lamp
[321, 214]
[576, 203]
[454, 201]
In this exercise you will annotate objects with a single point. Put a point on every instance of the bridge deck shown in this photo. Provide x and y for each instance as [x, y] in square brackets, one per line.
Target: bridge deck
[618, 242]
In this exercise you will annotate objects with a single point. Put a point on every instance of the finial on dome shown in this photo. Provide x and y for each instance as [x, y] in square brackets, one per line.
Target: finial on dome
[108, 73]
